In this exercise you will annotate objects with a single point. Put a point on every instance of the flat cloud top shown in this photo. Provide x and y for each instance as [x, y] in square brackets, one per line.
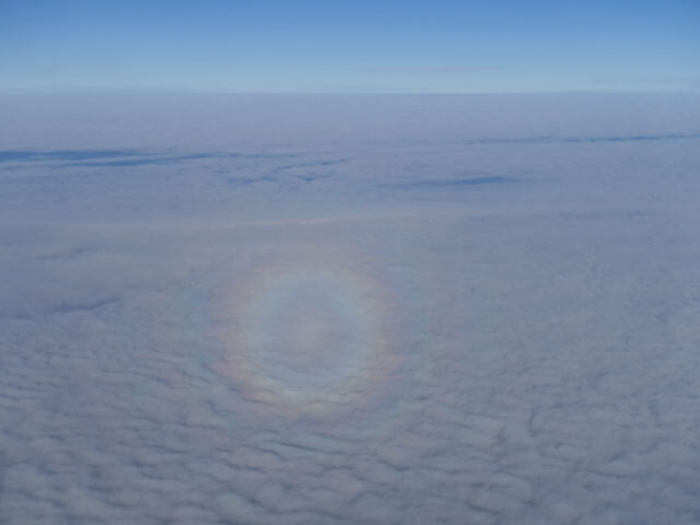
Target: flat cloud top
[458, 309]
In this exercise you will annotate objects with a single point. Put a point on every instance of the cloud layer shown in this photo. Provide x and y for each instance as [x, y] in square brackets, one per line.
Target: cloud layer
[497, 331]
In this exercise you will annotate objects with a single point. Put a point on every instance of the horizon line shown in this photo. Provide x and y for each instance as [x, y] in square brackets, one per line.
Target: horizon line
[168, 91]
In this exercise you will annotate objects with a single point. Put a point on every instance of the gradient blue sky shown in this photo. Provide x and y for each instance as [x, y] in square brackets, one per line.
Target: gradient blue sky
[359, 46]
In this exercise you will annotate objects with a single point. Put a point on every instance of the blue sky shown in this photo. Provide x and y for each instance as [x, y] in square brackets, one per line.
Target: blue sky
[312, 46]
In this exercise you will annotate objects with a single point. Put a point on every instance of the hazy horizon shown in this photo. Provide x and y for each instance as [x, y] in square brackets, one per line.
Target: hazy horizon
[313, 46]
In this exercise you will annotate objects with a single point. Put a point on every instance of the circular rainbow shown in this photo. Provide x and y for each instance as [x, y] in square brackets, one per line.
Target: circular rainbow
[307, 333]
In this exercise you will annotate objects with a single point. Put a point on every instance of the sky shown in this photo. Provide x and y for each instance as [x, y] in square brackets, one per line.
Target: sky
[349, 47]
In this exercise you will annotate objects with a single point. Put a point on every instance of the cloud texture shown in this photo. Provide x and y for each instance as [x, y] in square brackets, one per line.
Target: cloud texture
[423, 325]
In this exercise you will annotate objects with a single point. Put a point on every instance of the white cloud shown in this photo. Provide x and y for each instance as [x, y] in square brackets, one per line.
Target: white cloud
[541, 331]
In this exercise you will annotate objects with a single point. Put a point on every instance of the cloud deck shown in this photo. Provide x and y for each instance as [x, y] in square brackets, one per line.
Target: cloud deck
[516, 336]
